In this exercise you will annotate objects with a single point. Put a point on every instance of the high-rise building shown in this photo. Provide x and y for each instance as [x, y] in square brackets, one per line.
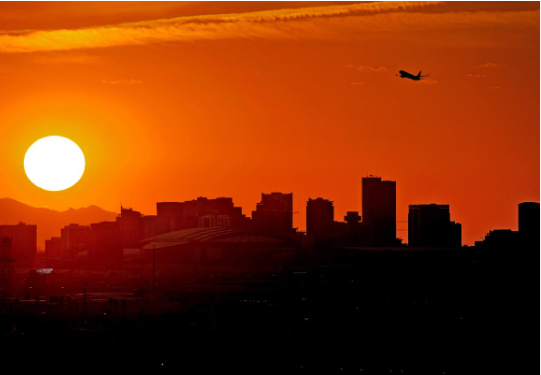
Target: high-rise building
[379, 210]
[153, 225]
[504, 239]
[274, 214]
[355, 230]
[106, 241]
[131, 225]
[23, 239]
[53, 247]
[352, 218]
[188, 214]
[430, 225]
[319, 219]
[6, 264]
[173, 212]
[527, 235]
[75, 239]
[528, 223]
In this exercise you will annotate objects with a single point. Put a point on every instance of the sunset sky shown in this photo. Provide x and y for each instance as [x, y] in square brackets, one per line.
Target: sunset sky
[171, 101]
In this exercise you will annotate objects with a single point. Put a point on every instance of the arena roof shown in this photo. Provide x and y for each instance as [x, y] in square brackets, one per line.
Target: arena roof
[214, 234]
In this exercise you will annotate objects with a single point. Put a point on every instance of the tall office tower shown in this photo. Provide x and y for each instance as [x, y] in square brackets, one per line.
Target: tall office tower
[6, 264]
[23, 239]
[75, 238]
[355, 230]
[274, 214]
[131, 225]
[379, 210]
[430, 225]
[53, 247]
[319, 219]
[153, 225]
[202, 212]
[528, 223]
[106, 241]
[172, 212]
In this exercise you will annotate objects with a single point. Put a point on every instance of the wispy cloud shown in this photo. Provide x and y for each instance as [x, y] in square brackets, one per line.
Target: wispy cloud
[489, 65]
[494, 87]
[353, 83]
[425, 81]
[122, 82]
[284, 23]
[365, 68]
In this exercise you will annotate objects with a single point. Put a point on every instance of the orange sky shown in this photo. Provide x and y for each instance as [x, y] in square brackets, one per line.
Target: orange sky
[170, 101]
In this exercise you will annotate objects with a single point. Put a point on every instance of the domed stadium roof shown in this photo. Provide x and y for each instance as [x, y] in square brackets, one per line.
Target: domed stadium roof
[210, 235]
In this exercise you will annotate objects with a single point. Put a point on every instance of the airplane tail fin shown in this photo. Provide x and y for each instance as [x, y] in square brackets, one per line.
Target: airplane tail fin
[418, 75]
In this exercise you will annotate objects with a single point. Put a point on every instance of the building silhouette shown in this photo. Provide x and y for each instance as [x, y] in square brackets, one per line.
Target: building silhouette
[320, 219]
[379, 212]
[53, 247]
[215, 212]
[6, 264]
[23, 239]
[106, 241]
[171, 212]
[355, 233]
[75, 239]
[526, 236]
[131, 225]
[274, 214]
[154, 225]
[528, 223]
[504, 239]
[430, 225]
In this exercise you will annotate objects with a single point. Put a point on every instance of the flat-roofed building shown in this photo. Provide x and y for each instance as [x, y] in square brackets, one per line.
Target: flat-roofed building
[23, 239]
[430, 225]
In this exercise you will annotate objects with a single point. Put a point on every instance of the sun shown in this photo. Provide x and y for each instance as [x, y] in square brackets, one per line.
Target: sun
[54, 163]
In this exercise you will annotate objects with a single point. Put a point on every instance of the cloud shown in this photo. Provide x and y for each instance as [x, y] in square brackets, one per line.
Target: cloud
[365, 68]
[493, 88]
[122, 82]
[356, 20]
[476, 75]
[489, 65]
[353, 83]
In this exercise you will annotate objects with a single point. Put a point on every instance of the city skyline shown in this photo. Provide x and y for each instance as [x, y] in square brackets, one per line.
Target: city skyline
[429, 225]
[263, 110]
[402, 227]
[270, 187]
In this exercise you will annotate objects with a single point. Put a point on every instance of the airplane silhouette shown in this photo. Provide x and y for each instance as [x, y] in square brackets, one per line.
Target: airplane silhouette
[404, 74]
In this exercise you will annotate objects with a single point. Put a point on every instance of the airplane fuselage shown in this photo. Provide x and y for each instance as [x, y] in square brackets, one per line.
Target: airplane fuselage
[404, 74]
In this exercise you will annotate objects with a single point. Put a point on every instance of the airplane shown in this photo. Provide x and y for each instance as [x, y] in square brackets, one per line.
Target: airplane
[404, 74]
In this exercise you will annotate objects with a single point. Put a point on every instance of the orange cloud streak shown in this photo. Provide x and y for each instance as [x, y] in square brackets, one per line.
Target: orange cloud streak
[253, 24]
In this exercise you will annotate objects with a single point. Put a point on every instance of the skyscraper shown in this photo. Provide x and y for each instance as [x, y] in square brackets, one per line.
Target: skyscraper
[23, 239]
[379, 210]
[131, 225]
[528, 223]
[185, 215]
[319, 219]
[274, 214]
[106, 241]
[75, 238]
[430, 225]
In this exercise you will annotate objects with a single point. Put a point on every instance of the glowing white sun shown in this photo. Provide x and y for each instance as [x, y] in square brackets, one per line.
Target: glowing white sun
[54, 163]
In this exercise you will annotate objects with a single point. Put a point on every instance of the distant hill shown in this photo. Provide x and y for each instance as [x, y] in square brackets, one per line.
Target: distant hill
[49, 221]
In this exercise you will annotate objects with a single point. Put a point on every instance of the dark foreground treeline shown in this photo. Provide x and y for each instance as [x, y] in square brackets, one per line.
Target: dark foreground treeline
[345, 311]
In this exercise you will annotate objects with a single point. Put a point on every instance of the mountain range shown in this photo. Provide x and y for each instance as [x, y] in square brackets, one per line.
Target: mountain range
[49, 221]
